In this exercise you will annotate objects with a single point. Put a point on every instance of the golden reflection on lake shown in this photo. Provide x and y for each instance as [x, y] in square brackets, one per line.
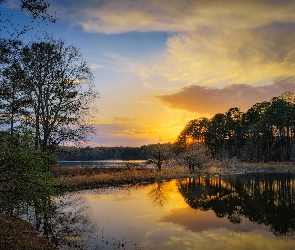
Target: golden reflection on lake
[159, 216]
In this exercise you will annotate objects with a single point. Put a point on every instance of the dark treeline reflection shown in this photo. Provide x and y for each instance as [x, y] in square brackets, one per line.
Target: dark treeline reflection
[263, 198]
[67, 225]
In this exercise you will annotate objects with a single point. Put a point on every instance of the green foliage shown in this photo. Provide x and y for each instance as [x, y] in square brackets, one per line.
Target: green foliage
[24, 175]
[194, 132]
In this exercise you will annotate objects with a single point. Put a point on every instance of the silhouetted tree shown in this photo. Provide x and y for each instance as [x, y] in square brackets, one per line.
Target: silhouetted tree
[266, 132]
[60, 90]
[160, 152]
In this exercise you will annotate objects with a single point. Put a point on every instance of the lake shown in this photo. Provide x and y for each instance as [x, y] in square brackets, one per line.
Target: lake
[253, 211]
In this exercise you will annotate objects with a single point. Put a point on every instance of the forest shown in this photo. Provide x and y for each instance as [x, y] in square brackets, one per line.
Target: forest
[265, 132]
[46, 94]
[102, 153]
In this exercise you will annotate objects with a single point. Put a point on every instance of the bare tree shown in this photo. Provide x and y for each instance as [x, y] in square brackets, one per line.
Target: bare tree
[194, 156]
[160, 152]
[37, 10]
[61, 92]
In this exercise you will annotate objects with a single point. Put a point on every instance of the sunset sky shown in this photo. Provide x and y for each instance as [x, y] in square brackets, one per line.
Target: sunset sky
[158, 64]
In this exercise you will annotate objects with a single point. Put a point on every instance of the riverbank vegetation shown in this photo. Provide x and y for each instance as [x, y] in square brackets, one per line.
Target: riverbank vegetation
[79, 178]
[16, 233]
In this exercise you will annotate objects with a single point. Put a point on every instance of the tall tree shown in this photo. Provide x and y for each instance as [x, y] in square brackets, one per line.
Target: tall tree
[256, 133]
[233, 131]
[13, 101]
[216, 135]
[195, 131]
[60, 90]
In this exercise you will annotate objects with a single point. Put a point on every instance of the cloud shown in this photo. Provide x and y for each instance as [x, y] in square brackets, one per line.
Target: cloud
[210, 43]
[121, 131]
[96, 66]
[198, 221]
[120, 16]
[203, 99]
[221, 57]
[218, 55]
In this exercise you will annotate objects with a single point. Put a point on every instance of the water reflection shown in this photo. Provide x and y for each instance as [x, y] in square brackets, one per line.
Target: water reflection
[203, 213]
[68, 225]
[160, 193]
[267, 199]
[222, 212]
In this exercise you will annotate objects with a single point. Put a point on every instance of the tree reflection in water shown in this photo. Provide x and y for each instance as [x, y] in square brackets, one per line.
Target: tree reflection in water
[67, 225]
[160, 194]
[263, 198]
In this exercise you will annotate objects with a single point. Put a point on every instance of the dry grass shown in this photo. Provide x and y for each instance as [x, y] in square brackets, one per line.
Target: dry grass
[87, 178]
[80, 178]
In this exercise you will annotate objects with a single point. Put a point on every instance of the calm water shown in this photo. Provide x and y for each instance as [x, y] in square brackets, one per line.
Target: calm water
[254, 211]
[240, 212]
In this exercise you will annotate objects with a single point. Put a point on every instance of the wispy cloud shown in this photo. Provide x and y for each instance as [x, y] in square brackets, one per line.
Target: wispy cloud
[225, 57]
[211, 43]
[122, 127]
[96, 66]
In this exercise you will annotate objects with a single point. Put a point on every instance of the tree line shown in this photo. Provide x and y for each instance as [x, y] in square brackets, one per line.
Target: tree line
[103, 153]
[265, 132]
[158, 152]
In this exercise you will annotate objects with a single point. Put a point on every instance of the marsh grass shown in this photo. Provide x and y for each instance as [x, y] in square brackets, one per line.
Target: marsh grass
[75, 178]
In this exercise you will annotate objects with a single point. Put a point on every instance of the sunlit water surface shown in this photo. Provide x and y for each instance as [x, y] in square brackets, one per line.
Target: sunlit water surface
[238, 212]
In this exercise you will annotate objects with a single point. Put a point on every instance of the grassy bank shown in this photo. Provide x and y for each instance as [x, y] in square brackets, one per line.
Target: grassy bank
[78, 178]
[86, 178]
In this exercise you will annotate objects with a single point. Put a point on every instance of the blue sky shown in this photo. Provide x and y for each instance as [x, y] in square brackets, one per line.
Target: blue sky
[159, 64]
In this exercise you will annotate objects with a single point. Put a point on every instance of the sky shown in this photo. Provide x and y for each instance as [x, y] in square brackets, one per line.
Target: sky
[159, 64]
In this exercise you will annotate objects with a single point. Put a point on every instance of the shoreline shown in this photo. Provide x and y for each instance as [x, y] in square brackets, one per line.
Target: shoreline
[79, 178]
